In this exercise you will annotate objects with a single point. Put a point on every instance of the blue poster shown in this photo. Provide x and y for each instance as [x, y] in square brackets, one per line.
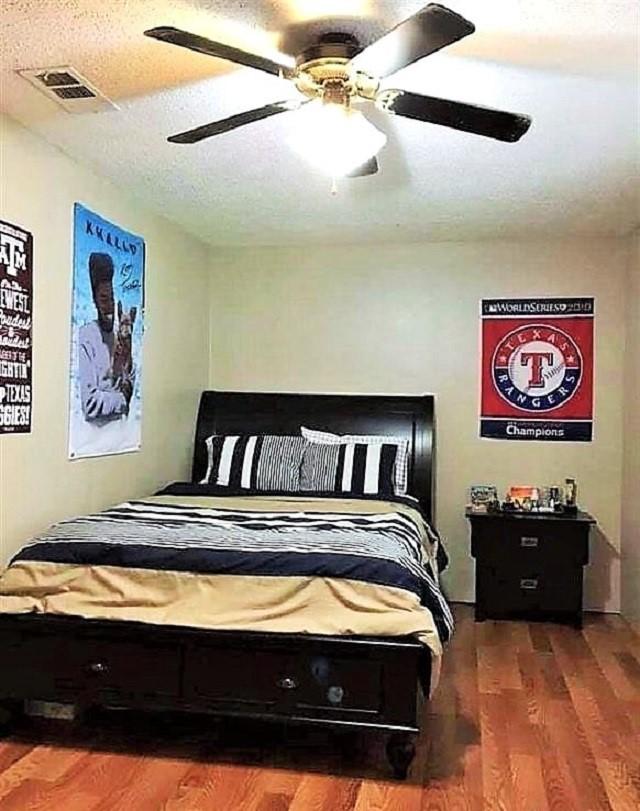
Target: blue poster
[107, 327]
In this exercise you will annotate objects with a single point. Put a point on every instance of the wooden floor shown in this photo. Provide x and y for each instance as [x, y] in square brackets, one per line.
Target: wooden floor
[527, 717]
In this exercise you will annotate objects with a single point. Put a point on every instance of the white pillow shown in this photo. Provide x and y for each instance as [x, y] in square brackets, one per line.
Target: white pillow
[401, 471]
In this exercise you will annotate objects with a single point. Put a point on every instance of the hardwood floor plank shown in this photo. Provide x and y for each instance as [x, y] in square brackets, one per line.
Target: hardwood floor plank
[612, 708]
[559, 787]
[632, 710]
[46, 763]
[151, 784]
[570, 738]
[528, 785]
[605, 647]
[520, 731]
[631, 667]
[274, 789]
[622, 787]
[452, 772]
[540, 637]
[497, 778]
[320, 792]
[273, 801]
[461, 784]
[35, 795]
[521, 637]
[194, 790]
[498, 669]
[535, 686]
[11, 752]
[378, 796]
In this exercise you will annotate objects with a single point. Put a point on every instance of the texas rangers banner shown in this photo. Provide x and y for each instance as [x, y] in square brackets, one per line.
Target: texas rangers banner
[107, 315]
[16, 313]
[537, 369]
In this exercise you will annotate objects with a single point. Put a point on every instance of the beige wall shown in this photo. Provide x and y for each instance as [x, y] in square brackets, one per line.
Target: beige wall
[631, 482]
[405, 319]
[37, 483]
[362, 319]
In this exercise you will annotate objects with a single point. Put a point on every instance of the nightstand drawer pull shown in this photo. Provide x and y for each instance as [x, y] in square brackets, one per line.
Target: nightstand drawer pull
[529, 583]
[529, 541]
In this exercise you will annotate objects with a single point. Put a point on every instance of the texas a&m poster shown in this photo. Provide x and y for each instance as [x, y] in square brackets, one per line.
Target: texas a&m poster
[537, 369]
[16, 314]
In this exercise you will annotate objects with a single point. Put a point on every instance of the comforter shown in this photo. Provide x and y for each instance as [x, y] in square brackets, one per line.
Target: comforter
[279, 563]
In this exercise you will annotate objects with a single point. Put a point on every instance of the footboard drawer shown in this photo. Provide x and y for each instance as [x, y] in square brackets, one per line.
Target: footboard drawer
[276, 680]
[247, 679]
[64, 668]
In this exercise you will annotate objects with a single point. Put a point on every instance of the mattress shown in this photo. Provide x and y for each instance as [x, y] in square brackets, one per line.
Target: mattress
[276, 563]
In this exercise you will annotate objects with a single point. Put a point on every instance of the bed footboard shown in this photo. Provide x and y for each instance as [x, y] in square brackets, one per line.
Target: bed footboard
[338, 682]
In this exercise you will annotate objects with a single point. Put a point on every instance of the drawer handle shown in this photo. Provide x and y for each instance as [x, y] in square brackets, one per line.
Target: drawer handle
[528, 541]
[529, 583]
[287, 684]
[97, 668]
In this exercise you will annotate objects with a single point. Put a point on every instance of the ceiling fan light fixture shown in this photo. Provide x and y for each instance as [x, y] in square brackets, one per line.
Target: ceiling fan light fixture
[334, 138]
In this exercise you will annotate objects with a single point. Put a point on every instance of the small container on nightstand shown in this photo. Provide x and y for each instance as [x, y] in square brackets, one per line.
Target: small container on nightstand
[530, 565]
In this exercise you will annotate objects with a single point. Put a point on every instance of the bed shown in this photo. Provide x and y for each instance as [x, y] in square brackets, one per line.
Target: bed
[352, 670]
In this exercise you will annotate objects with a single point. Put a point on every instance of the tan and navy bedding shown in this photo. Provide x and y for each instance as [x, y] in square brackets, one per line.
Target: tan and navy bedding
[277, 563]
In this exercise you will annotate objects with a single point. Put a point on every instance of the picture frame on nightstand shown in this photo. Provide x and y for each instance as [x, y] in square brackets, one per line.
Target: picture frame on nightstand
[483, 498]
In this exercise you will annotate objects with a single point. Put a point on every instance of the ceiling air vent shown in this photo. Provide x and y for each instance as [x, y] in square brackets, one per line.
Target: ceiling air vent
[68, 88]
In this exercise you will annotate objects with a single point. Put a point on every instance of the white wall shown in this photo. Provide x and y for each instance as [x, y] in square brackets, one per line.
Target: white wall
[631, 481]
[393, 318]
[38, 485]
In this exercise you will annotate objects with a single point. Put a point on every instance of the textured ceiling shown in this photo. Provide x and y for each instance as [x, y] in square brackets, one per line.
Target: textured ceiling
[571, 64]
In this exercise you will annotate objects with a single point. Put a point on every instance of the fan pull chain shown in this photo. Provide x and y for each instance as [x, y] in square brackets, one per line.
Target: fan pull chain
[334, 186]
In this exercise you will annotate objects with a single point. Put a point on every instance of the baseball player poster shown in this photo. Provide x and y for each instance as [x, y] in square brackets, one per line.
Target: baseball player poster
[537, 369]
[107, 327]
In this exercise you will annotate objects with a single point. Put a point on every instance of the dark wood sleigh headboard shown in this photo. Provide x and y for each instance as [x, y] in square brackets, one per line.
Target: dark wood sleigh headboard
[223, 412]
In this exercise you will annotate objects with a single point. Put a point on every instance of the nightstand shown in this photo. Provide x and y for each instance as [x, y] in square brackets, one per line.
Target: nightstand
[530, 565]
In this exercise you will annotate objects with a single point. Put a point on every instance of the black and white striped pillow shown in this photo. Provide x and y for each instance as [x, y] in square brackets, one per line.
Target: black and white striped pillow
[254, 462]
[401, 473]
[351, 468]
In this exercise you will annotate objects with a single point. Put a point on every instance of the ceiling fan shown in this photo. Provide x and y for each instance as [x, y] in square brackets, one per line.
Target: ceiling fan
[329, 77]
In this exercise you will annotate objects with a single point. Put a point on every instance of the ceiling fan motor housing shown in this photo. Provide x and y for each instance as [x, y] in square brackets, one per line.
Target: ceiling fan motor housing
[324, 70]
[342, 47]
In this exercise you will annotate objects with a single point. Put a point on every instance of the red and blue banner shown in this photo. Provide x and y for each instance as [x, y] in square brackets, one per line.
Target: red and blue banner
[537, 369]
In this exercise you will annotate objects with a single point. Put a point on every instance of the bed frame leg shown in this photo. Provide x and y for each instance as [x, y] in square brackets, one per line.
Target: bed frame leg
[401, 750]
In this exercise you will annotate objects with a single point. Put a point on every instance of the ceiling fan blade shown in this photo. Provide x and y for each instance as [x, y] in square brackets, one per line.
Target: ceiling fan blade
[234, 121]
[371, 167]
[455, 114]
[175, 36]
[432, 28]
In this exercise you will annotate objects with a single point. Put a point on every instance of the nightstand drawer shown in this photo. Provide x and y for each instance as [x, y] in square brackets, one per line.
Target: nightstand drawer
[530, 542]
[504, 593]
